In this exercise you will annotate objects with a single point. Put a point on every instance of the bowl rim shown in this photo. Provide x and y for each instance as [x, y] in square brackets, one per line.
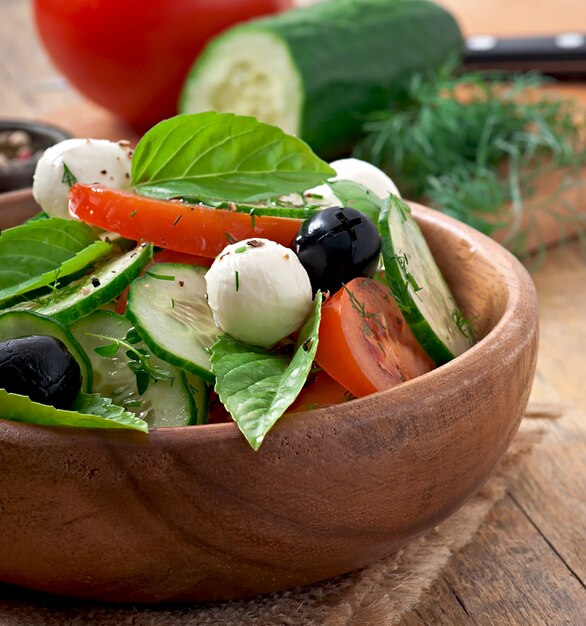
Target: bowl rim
[511, 270]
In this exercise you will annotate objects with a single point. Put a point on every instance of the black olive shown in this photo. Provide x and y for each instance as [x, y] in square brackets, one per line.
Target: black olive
[41, 368]
[337, 245]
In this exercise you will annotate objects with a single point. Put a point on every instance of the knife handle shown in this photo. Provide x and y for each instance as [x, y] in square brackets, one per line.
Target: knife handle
[562, 56]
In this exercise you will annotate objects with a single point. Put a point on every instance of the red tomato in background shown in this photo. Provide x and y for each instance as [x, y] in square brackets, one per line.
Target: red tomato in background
[132, 56]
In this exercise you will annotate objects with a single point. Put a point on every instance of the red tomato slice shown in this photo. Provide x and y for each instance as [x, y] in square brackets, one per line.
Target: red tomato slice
[365, 343]
[170, 256]
[192, 229]
[322, 390]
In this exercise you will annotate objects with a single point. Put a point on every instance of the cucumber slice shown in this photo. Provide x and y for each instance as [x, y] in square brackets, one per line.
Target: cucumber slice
[301, 213]
[14, 324]
[419, 287]
[87, 294]
[318, 71]
[165, 402]
[168, 308]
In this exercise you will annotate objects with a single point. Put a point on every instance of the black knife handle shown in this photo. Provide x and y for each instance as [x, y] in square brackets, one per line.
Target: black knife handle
[562, 55]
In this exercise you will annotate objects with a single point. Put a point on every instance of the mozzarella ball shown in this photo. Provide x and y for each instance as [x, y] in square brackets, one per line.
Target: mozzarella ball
[258, 292]
[357, 171]
[88, 161]
[366, 174]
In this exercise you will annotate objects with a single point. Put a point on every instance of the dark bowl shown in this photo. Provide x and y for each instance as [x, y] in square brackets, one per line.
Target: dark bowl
[19, 174]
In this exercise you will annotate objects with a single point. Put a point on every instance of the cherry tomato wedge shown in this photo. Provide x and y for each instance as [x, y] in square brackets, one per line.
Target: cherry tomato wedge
[170, 256]
[364, 341]
[188, 228]
[321, 390]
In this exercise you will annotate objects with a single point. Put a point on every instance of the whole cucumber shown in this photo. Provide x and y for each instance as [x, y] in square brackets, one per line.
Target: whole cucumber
[317, 71]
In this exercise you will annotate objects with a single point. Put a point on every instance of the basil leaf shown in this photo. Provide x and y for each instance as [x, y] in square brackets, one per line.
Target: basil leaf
[88, 411]
[87, 256]
[358, 197]
[257, 386]
[224, 157]
[34, 254]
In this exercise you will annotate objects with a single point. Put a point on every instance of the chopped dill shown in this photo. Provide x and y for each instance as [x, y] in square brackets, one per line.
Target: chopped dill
[68, 177]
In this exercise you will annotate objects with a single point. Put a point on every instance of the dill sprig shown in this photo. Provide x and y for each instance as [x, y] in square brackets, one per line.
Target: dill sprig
[474, 146]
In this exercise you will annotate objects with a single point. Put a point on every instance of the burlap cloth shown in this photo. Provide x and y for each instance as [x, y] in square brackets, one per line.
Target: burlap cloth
[378, 595]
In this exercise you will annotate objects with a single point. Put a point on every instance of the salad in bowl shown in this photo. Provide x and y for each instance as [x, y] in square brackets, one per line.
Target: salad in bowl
[243, 393]
[221, 271]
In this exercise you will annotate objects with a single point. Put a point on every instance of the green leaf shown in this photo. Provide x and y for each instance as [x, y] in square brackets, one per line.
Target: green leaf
[142, 380]
[109, 350]
[159, 276]
[132, 336]
[257, 386]
[37, 253]
[94, 252]
[358, 197]
[225, 157]
[68, 177]
[88, 411]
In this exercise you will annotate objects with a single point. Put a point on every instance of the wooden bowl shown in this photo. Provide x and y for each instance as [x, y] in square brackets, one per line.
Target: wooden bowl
[194, 514]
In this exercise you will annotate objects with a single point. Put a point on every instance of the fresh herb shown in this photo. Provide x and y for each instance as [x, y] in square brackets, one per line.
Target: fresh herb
[241, 249]
[36, 254]
[368, 318]
[139, 359]
[230, 238]
[257, 386]
[114, 270]
[88, 411]
[358, 197]
[237, 279]
[68, 177]
[474, 146]
[225, 157]
[159, 276]
[464, 324]
[403, 262]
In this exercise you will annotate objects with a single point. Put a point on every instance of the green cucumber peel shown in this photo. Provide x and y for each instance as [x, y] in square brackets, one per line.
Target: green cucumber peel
[85, 295]
[94, 252]
[417, 284]
[257, 386]
[88, 411]
[122, 365]
[225, 157]
[36, 254]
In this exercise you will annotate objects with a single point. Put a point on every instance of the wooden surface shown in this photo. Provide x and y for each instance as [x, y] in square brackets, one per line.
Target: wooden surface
[527, 565]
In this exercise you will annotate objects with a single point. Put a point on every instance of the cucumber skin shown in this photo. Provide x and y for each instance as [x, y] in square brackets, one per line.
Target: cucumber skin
[99, 297]
[155, 348]
[198, 412]
[353, 57]
[435, 348]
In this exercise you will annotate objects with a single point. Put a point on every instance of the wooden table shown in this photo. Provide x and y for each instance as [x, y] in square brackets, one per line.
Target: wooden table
[527, 565]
